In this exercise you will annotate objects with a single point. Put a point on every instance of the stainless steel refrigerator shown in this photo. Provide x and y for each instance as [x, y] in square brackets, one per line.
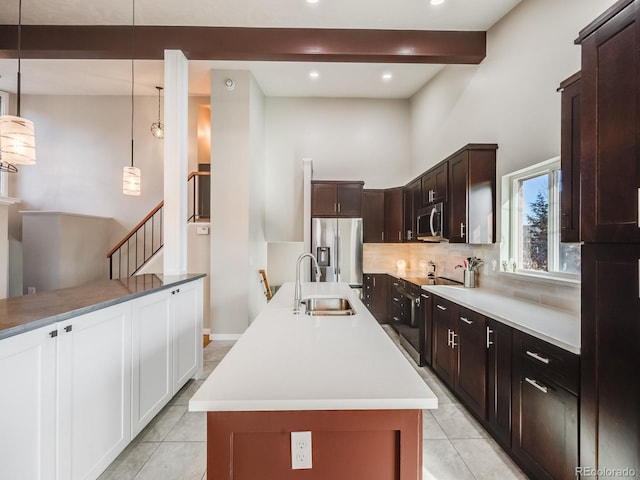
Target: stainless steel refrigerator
[337, 245]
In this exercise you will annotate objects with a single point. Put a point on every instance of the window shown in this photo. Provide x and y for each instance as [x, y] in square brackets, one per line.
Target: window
[532, 218]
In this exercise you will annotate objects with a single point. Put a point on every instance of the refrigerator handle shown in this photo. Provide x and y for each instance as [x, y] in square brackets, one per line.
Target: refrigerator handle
[338, 257]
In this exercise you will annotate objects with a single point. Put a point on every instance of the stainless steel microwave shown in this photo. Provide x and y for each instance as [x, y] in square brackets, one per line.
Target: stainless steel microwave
[430, 223]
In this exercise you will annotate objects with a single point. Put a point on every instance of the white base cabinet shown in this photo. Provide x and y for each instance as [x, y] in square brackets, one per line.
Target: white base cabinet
[152, 359]
[75, 393]
[94, 391]
[28, 405]
[186, 314]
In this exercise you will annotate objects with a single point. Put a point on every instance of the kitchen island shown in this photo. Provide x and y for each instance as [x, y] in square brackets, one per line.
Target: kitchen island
[339, 377]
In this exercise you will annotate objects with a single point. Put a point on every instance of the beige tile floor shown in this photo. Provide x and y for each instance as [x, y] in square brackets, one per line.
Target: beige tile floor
[173, 445]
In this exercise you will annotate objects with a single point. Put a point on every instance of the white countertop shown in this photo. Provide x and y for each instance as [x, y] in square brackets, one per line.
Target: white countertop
[286, 361]
[549, 324]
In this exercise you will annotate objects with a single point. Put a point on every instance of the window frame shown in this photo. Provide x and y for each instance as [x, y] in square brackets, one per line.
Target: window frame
[512, 222]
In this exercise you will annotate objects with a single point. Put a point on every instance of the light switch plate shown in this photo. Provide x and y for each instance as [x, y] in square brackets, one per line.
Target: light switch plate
[202, 230]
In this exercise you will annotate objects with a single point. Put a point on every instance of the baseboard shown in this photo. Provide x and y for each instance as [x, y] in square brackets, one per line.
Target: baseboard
[225, 336]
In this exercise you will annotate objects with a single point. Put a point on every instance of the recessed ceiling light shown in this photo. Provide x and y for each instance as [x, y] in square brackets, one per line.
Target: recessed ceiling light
[313, 74]
[312, 1]
[434, 2]
[386, 76]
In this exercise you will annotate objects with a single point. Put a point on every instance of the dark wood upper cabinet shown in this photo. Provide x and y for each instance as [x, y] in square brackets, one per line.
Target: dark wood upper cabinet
[610, 130]
[472, 194]
[336, 199]
[393, 219]
[382, 215]
[570, 159]
[412, 203]
[435, 184]
[373, 216]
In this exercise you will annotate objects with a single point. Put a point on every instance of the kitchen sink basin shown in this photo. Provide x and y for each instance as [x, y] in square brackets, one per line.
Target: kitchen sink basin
[328, 306]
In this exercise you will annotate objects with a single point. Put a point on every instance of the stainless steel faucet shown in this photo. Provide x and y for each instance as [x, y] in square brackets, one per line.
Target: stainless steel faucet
[297, 294]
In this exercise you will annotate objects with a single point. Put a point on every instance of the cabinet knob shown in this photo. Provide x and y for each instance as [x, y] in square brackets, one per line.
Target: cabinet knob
[53, 333]
[68, 328]
[441, 307]
[466, 320]
[462, 230]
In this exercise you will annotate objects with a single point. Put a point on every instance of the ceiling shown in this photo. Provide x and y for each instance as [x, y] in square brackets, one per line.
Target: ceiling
[113, 77]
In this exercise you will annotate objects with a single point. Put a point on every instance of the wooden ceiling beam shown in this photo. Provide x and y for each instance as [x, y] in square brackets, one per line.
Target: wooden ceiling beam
[239, 43]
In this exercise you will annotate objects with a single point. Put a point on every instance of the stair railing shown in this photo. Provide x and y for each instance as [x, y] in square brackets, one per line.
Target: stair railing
[138, 246]
[146, 238]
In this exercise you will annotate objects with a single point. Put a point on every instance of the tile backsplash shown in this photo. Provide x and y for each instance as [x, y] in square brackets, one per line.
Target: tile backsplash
[384, 257]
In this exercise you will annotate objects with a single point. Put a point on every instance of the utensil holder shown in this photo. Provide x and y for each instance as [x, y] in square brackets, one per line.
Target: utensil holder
[470, 278]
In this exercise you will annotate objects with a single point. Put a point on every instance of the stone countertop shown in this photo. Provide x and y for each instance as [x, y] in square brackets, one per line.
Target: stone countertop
[554, 326]
[287, 361]
[29, 312]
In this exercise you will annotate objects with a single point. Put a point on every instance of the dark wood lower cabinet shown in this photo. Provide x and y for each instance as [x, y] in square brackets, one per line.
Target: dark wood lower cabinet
[523, 390]
[426, 300]
[375, 295]
[544, 436]
[499, 381]
[444, 357]
[459, 352]
[471, 352]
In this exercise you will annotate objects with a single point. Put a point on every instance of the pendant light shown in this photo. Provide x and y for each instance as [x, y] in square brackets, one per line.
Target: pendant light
[131, 174]
[17, 134]
[157, 128]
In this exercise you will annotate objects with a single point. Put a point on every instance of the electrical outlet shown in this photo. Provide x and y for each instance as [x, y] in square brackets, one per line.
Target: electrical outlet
[300, 450]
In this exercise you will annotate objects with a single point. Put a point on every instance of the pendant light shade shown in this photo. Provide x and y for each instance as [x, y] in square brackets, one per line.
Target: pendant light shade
[131, 181]
[157, 128]
[17, 140]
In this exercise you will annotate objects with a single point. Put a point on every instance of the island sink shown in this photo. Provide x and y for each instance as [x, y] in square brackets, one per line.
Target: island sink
[327, 306]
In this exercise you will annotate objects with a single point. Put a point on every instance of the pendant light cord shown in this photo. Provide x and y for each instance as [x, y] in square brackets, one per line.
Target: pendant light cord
[19, 53]
[133, 50]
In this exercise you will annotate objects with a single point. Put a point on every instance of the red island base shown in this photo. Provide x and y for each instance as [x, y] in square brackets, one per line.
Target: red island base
[346, 445]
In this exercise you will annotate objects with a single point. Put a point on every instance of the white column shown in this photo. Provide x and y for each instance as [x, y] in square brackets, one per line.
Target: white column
[176, 108]
[307, 165]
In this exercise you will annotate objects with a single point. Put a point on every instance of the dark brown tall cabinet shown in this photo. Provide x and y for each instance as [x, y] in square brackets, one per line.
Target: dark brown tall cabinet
[610, 228]
[472, 194]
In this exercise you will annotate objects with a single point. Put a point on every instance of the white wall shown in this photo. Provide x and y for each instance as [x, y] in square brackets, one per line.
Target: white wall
[82, 144]
[347, 138]
[62, 250]
[510, 98]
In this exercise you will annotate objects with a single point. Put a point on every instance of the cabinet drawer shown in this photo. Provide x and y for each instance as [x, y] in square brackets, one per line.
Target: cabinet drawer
[545, 359]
